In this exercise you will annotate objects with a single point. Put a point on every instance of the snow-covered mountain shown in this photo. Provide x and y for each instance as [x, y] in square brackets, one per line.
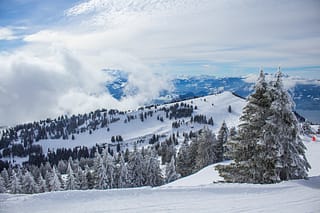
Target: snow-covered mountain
[195, 193]
[305, 93]
[133, 126]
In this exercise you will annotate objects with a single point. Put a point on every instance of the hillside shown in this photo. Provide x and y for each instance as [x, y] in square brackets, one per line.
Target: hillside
[197, 192]
[139, 125]
[193, 193]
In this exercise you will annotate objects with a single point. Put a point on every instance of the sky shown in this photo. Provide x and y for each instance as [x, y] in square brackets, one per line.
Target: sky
[52, 52]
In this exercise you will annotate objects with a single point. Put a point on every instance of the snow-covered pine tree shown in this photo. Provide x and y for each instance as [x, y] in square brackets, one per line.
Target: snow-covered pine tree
[110, 170]
[244, 148]
[5, 176]
[54, 183]
[100, 173]
[62, 167]
[205, 153]
[71, 183]
[90, 177]
[282, 137]
[42, 184]
[222, 139]
[122, 174]
[171, 173]
[15, 183]
[306, 128]
[29, 185]
[136, 169]
[153, 171]
[183, 160]
[3, 188]
[82, 177]
[276, 151]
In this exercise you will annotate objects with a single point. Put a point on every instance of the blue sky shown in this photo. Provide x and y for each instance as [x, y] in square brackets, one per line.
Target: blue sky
[52, 52]
[214, 52]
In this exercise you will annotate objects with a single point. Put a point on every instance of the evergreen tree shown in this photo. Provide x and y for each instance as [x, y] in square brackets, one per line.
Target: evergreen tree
[244, 149]
[184, 166]
[3, 188]
[100, 173]
[15, 184]
[233, 131]
[122, 174]
[5, 176]
[306, 128]
[222, 139]
[42, 187]
[72, 182]
[282, 141]
[153, 174]
[29, 185]
[82, 177]
[62, 167]
[90, 177]
[171, 173]
[205, 154]
[54, 183]
[110, 168]
[268, 148]
[136, 169]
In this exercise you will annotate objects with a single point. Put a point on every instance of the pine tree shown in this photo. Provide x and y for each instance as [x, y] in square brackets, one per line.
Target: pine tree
[244, 149]
[122, 174]
[5, 176]
[282, 137]
[171, 173]
[100, 173]
[29, 185]
[110, 167]
[54, 183]
[42, 187]
[268, 148]
[15, 184]
[136, 169]
[306, 128]
[184, 166]
[72, 182]
[153, 174]
[205, 154]
[90, 177]
[222, 139]
[3, 188]
[82, 177]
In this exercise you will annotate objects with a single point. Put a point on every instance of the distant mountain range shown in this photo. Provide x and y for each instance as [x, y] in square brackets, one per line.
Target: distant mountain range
[305, 93]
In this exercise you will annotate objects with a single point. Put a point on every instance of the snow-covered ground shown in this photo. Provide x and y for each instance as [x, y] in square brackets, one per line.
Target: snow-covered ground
[215, 106]
[196, 193]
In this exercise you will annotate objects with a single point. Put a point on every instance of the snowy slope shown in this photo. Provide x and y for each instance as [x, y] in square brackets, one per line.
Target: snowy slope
[293, 196]
[195, 193]
[215, 106]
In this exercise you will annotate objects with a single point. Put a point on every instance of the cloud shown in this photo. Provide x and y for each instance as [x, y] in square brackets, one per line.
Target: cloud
[59, 69]
[7, 34]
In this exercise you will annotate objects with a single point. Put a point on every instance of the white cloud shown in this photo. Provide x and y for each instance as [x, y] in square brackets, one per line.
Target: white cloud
[59, 69]
[7, 34]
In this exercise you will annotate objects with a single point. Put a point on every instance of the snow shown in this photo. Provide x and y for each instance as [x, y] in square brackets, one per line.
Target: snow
[195, 193]
[203, 177]
[293, 196]
[135, 129]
